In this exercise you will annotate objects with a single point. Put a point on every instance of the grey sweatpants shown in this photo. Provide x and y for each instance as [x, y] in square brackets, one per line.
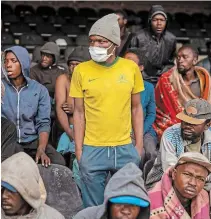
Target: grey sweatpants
[95, 165]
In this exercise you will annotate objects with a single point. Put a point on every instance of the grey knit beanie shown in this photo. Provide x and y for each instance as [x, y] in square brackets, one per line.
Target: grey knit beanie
[107, 27]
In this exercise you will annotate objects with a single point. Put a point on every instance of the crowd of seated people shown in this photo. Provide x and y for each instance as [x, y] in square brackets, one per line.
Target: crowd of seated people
[135, 114]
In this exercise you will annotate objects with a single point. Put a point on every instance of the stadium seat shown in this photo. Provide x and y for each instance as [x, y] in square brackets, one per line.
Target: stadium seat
[144, 17]
[71, 30]
[7, 39]
[45, 29]
[57, 21]
[68, 51]
[46, 11]
[62, 191]
[61, 41]
[10, 19]
[79, 21]
[182, 18]
[194, 33]
[31, 40]
[33, 20]
[22, 10]
[104, 11]
[19, 29]
[89, 13]
[200, 44]
[6, 9]
[82, 40]
[129, 12]
[200, 19]
[67, 12]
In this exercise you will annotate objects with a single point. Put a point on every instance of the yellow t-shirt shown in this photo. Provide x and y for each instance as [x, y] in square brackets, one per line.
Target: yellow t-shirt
[107, 94]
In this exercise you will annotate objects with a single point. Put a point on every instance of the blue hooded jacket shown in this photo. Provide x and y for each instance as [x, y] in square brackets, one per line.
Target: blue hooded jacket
[29, 108]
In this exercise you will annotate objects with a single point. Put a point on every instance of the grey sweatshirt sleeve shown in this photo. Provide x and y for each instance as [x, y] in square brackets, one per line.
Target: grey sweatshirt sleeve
[42, 120]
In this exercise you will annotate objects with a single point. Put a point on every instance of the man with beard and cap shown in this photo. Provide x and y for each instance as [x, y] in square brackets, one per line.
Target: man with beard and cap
[106, 92]
[193, 134]
[125, 197]
[64, 103]
[23, 193]
[47, 71]
[175, 87]
[158, 44]
[180, 193]
[206, 63]
[126, 35]
[27, 105]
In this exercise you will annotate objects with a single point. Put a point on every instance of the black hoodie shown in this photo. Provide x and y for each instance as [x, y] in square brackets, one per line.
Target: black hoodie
[159, 54]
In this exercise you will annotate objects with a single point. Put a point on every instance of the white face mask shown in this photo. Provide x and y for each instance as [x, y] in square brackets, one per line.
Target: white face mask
[99, 54]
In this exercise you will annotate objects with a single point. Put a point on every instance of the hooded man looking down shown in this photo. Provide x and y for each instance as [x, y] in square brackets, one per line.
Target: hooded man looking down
[23, 193]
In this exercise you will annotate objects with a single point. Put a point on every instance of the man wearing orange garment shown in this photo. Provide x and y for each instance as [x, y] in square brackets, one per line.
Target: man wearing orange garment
[178, 85]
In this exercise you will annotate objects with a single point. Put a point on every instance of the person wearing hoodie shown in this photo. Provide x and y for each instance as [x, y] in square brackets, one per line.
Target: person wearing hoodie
[106, 92]
[158, 44]
[64, 103]
[47, 71]
[27, 105]
[23, 193]
[125, 197]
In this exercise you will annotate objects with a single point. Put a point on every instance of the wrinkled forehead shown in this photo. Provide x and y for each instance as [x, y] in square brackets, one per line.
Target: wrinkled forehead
[193, 168]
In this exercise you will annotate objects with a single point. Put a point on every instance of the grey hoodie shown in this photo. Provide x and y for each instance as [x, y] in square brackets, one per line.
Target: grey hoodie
[48, 76]
[127, 181]
[22, 173]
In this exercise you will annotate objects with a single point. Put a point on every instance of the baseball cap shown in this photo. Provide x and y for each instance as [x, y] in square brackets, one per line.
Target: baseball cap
[8, 186]
[194, 157]
[130, 200]
[196, 112]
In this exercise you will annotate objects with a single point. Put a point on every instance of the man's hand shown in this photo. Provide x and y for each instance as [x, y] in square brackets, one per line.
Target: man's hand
[78, 154]
[68, 108]
[70, 134]
[45, 160]
[139, 149]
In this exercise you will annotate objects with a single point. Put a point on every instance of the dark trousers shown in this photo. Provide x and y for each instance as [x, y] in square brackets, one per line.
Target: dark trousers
[55, 157]
[9, 146]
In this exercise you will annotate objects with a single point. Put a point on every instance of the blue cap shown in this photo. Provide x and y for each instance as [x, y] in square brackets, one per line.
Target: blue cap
[130, 200]
[8, 186]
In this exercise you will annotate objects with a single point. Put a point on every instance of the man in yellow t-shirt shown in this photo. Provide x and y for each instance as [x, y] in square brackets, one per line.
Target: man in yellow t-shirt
[106, 92]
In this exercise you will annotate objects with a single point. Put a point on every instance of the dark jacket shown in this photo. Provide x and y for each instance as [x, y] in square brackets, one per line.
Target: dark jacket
[127, 181]
[29, 108]
[9, 145]
[48, 76]
[159, 54]
[125, 44]
[205, 63]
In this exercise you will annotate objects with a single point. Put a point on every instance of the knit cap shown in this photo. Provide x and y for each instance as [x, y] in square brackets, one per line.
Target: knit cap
[107, 27]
